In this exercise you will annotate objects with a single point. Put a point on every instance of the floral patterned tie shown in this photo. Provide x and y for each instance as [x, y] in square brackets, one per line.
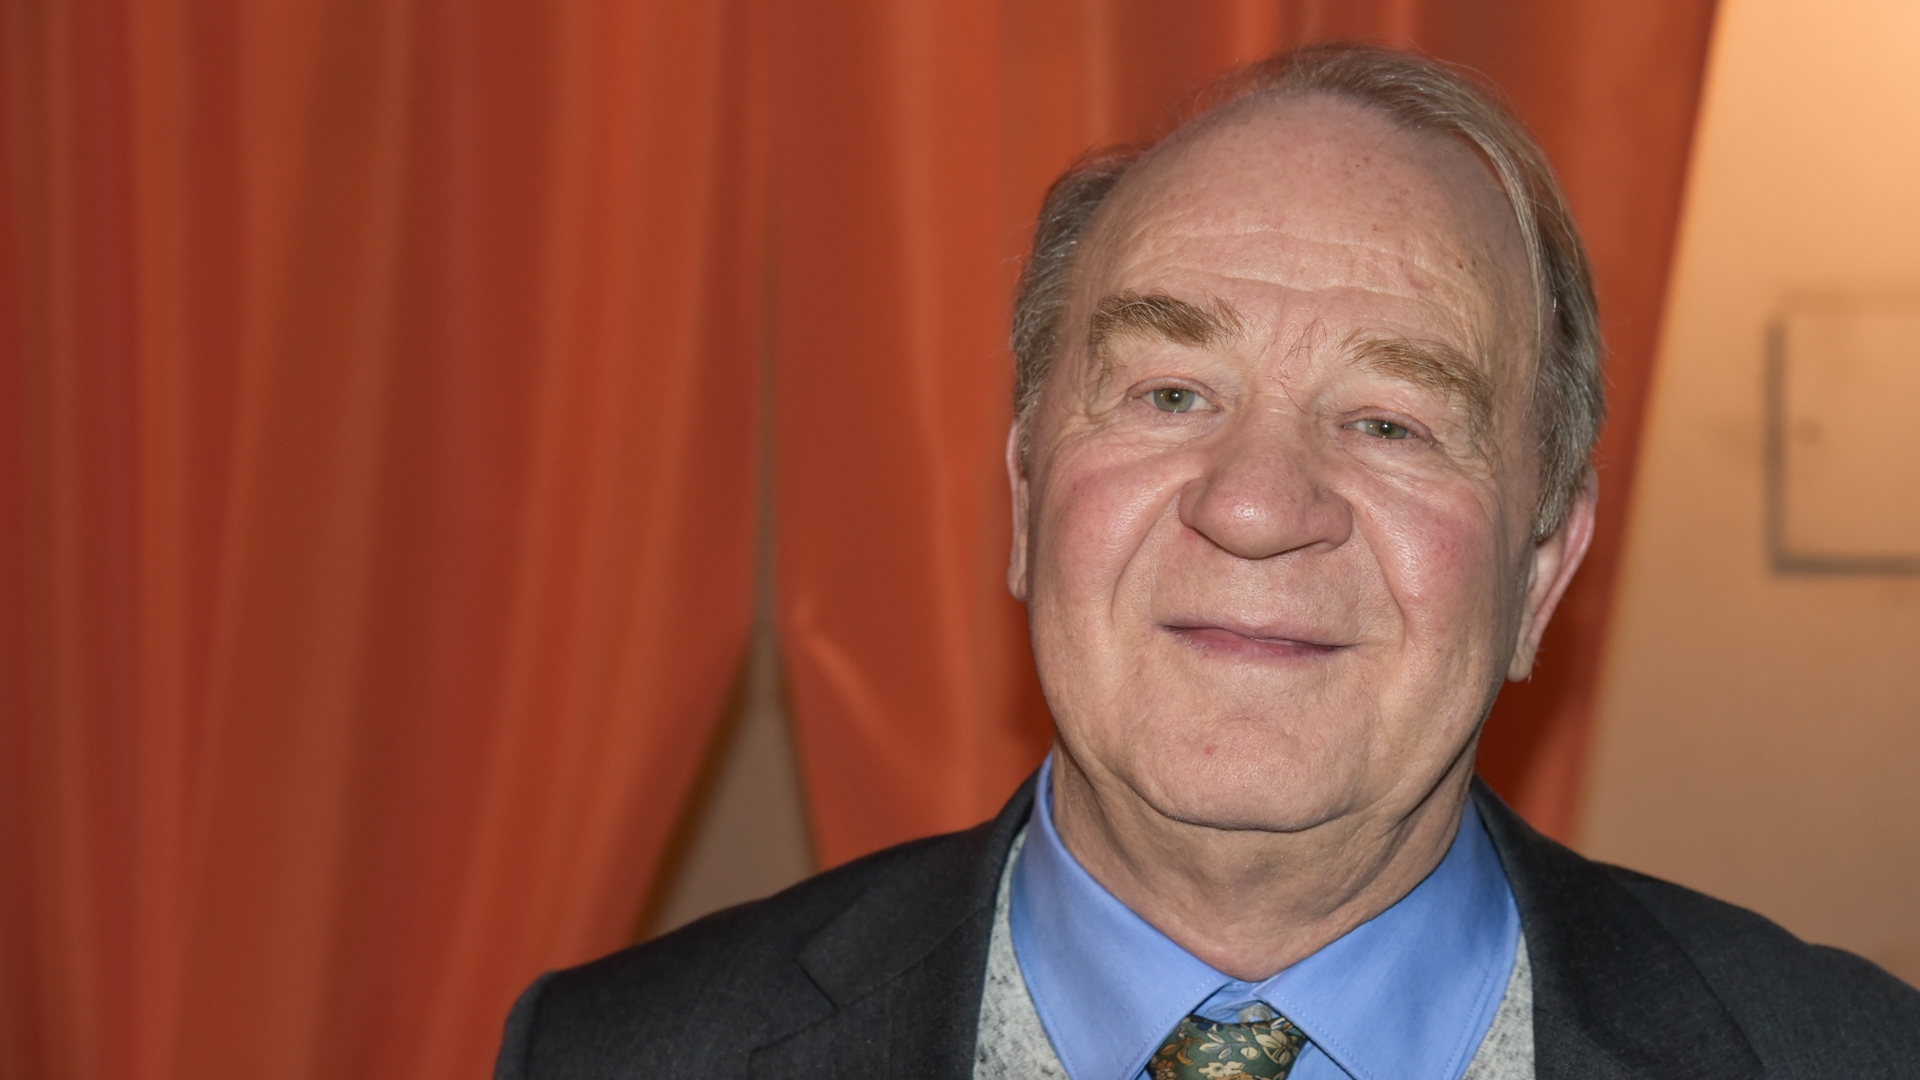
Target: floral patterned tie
[1202, 1048]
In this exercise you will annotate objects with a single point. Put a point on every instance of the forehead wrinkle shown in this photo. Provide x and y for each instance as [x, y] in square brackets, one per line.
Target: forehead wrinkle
[1431, 365]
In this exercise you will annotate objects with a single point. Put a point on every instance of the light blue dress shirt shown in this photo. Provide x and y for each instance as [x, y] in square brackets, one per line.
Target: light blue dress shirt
[1407, 995]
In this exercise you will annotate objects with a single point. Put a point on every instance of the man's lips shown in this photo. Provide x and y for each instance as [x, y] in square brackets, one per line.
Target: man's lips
[1250, 644]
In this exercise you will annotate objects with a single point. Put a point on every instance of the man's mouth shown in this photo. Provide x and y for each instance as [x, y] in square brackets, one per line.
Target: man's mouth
[1247, 643]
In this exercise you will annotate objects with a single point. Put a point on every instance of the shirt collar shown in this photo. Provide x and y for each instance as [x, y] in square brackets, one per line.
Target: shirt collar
[1406, 995]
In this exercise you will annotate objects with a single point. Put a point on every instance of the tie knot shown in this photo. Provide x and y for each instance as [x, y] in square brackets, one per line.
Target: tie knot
[1201, 1048]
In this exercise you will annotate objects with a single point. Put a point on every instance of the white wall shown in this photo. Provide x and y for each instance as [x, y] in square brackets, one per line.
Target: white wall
[744, 833]
[1759, 732]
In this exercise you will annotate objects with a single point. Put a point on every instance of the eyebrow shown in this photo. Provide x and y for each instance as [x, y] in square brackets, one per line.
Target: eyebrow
[1430, 365]
[1157, 315]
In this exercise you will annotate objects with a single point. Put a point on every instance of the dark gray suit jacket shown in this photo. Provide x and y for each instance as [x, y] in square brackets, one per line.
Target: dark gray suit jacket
[875, 969]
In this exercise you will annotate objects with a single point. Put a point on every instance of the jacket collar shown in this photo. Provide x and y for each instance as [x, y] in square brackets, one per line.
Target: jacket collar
[1614, 994]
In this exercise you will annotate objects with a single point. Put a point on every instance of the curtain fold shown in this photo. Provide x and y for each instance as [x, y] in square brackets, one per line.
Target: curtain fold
[915, 142]
[377, 401]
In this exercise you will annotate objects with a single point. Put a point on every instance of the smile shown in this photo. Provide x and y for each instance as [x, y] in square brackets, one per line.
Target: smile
[1236, 645]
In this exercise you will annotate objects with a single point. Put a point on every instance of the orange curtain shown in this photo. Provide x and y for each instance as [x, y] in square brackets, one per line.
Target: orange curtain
[377, 442]
[914, 142]
[377, 383]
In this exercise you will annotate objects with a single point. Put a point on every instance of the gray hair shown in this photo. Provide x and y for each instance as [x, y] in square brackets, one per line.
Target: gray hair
[1568, 398]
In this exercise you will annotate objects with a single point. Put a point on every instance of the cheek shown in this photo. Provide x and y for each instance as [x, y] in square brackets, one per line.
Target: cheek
[1093, 515]
[1442, 551]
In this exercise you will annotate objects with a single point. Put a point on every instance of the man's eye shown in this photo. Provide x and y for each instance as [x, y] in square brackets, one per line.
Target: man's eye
[1382, 429]
[1174, 399]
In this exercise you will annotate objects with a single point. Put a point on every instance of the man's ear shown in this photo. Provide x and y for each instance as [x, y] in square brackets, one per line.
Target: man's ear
[1017, 484]
[1555, 558]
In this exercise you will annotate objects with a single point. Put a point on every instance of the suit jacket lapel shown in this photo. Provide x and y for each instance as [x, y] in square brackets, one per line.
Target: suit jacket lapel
[904, 966]
[1614, 994]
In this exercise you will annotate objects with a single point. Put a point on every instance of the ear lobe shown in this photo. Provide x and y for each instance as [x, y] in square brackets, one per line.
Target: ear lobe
[1017, 485]
[1555, 558]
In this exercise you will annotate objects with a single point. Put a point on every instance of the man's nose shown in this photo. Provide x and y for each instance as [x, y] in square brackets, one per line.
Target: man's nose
[1263, 494]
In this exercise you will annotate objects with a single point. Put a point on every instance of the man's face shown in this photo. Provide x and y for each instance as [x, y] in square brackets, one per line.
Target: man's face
[1274, 528]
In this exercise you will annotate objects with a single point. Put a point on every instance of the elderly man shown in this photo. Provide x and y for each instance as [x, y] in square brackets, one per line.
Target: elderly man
[1305, 399]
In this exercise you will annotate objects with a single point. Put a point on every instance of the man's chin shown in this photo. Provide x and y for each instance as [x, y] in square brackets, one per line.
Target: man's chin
[1250, 802]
